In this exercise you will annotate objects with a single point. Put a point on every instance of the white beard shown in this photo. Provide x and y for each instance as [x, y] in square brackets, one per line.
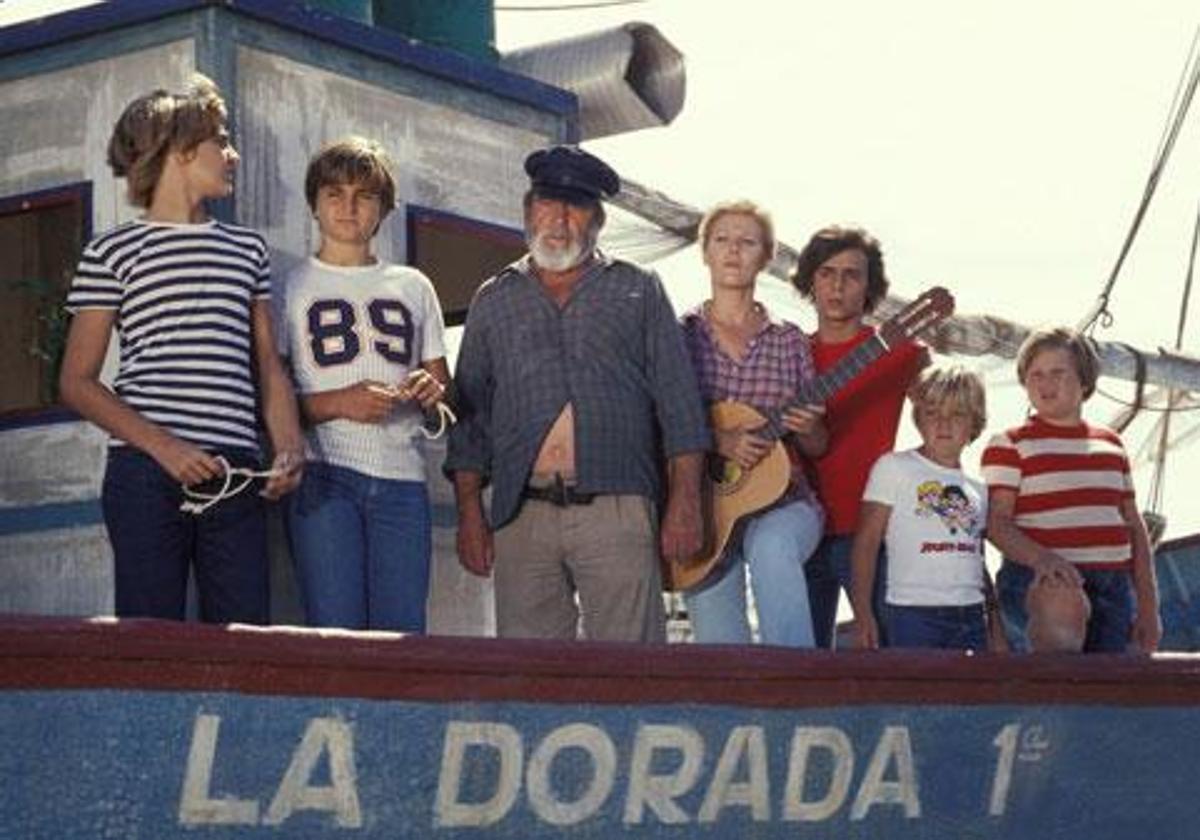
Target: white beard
[560, 259]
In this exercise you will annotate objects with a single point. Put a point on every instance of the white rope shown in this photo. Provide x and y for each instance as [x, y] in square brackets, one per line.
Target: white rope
[446, 416]
[198, 501]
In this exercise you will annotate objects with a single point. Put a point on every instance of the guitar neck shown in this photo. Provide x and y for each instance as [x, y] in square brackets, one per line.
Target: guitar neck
[848, 367]
[818, 391]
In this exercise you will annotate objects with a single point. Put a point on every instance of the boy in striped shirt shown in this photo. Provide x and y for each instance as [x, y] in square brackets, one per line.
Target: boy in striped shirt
[189, 298]
[1077, 572]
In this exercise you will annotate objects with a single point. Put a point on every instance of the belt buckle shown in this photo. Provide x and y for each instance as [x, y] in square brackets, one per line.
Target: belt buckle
[559, 492]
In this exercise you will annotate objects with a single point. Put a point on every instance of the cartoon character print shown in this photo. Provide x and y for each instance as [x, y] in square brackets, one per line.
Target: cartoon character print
[948, 503]
[929, 496]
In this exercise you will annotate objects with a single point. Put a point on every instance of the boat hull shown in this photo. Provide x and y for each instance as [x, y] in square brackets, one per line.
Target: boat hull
[157, 730]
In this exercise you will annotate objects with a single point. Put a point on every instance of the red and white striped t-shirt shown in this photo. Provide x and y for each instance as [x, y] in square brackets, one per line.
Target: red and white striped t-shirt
[1070, 482]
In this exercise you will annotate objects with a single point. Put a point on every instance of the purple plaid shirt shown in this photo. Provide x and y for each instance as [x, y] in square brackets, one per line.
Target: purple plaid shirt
[777, 360]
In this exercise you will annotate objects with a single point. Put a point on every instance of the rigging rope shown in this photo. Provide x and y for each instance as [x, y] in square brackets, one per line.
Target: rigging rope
[1160, 461]
[1184, 93]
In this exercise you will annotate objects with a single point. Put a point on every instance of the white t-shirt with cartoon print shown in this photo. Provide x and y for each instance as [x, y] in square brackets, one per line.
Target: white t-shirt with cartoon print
[934, 534]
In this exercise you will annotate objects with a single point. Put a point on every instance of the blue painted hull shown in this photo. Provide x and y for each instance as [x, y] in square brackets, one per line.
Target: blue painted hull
[145, 730]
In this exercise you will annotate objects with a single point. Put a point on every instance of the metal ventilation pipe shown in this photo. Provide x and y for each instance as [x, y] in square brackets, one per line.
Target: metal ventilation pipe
[626, 78]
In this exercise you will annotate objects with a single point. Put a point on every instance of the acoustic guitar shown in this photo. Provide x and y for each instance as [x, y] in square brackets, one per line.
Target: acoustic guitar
[731, 492]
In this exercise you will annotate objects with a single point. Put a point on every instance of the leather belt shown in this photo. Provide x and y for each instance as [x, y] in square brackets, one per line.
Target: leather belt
[558, 493]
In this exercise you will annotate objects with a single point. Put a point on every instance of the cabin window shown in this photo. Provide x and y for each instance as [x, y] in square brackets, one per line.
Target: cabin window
[457, 254]
[41, 236]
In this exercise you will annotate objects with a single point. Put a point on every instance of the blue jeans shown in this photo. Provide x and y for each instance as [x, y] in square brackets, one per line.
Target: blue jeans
[948, 627]
[772, 549]
[828, 570]
[362, 547]
[155, 544]
[1114, 607]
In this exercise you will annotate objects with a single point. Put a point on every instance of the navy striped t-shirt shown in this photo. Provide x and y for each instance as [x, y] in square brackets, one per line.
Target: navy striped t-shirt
[183, 295]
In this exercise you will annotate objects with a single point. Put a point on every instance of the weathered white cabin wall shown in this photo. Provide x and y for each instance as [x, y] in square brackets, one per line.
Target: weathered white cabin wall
[57, 124]
[63, 570]
[445, 158]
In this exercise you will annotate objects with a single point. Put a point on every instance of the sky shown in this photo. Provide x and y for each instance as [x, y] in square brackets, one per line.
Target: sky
[999, 149]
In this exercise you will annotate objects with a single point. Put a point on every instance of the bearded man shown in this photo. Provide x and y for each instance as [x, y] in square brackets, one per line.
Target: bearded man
[573, 384]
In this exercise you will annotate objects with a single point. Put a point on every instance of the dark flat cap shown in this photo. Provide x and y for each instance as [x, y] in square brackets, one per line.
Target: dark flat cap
[570, 174]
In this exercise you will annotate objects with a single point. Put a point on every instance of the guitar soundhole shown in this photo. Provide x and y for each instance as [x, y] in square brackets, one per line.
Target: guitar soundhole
[725, 475]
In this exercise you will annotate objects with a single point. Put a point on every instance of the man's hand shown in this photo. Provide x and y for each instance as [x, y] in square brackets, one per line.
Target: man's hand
[475, 549]
[681, 535]
[681, 532]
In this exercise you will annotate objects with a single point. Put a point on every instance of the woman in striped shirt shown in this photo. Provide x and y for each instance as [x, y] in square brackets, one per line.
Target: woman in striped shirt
[1077, 573]
[189, 298]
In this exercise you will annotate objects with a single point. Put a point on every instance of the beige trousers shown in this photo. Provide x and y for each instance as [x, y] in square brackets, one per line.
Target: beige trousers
[605, 552]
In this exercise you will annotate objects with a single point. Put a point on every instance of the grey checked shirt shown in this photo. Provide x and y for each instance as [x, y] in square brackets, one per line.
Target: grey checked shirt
[614, 351]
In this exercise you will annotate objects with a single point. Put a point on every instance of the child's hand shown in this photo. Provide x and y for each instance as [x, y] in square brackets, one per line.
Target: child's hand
[1147, 630]
[1053, 568]
[187, 463]
[866, 633]
[288, 466]
[367, 401]
[423, 387]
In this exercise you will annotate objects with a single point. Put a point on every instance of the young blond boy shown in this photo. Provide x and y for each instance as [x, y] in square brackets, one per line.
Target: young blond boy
[931, 516]
[365, 342]
[1064, 514]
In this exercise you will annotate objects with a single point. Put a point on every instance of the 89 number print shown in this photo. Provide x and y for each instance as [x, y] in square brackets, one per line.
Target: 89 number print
[333, 331]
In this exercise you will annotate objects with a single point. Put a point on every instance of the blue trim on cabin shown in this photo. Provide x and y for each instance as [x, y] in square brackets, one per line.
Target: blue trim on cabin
[59, 42]
[33, 36]
[30, 519]
[28, 419]
[392, 46]
[391, 75]
[419, 212]
[76, 191]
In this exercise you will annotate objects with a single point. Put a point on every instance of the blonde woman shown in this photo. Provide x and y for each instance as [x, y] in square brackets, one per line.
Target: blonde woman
[742, 353]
